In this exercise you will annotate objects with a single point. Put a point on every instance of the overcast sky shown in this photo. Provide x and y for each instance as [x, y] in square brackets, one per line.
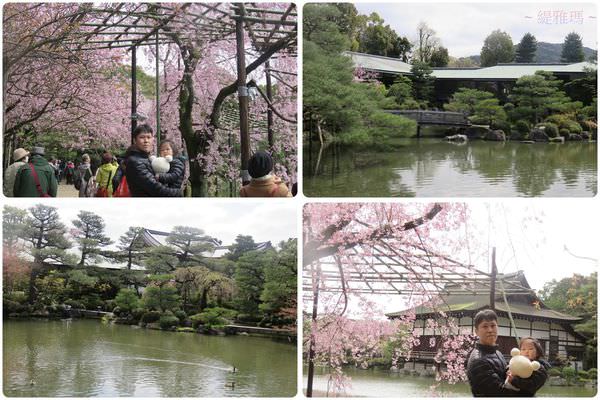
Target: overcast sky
[265, 220]
[463, 27]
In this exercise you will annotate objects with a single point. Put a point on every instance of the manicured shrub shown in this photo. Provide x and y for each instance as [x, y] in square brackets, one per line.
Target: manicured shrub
[522, 126]
[554, 372]
[12, 307]
[572, 126]
[564, 133]
[592, 373]
[211, 317]
[168, 320]
[181, 315]
[583, 374]
[127, 300]
[569, 373]
[503, 125]
[138, 313]
[150, 316]
[551, 129]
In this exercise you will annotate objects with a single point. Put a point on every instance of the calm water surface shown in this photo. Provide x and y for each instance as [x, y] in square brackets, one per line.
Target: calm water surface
[433, 167]
[87, 358]
[377, 383]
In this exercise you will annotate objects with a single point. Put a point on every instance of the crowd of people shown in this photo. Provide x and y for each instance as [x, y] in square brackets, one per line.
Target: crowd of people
[135, 175]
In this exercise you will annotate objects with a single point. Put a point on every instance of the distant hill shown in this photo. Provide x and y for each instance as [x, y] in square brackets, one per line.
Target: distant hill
[546, 53]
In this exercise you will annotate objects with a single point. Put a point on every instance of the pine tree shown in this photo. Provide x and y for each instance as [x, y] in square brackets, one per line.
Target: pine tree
[526, 49]
[48, 238]
[90, 235]
[572, 51]
[132, 243]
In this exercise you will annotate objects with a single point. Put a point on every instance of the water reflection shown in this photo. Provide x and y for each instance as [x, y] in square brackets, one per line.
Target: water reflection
[433, 167]
[87, 358]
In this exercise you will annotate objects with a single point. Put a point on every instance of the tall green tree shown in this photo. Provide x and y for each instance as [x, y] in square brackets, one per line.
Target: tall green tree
[189, 243]
[577, 296]
[47, 237]
[13, 225]
[336, 107]
[241, 245]
[161, 294]
[131, 244]
[90, 235]
[526, 49]
[439, 57]
[497, 48]
[279, 291]
[250, 279]
[537, 96]
[422, 81]
[572, 50]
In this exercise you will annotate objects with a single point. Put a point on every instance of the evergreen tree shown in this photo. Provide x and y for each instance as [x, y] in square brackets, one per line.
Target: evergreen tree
[90, 235]
[402, 92]
[422, 81]
[497, 48]
[526, 49]
[279, 291]
[242, 245]
[536, 96]
[439, 57]
[189, 243]
[572, 51]
[131, 243]
[48, 239]
[13, 224]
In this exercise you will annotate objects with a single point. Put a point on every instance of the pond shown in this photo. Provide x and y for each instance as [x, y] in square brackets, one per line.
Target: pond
[431, 167]
[84, 358]
[378, 383]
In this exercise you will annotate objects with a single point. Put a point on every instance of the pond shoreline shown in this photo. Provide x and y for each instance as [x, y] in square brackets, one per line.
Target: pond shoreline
[284, 336]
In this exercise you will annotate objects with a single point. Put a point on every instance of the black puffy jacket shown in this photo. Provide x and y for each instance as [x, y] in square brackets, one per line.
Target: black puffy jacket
[529, 386]
[173, 178]
[486, 370]
[141, 179]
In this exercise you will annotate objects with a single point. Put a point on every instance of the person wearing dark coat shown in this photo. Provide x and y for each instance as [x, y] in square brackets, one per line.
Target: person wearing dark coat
[138, 169]
[174, 177]
[528, 387]
[486, 366]
[25, 182]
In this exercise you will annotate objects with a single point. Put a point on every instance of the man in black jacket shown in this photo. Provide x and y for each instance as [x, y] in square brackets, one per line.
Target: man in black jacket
[140, 175]
[486, 367]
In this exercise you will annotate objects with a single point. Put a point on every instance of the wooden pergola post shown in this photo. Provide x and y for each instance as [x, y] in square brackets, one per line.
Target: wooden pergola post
[493, 281]
[242, 96]
[133, 91]
[269, 109]
[157, 99]
[311, 344]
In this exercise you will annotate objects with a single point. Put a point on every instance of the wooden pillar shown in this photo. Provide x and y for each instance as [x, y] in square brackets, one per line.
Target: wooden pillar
[418, 130]
[311, 344]
[242, 96]
[157, 99]
[493, 281]
[269, 109]
[133, 91]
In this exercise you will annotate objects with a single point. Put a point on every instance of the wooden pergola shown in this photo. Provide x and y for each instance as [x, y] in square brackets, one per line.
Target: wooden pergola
[383, 268]
[130, 26]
